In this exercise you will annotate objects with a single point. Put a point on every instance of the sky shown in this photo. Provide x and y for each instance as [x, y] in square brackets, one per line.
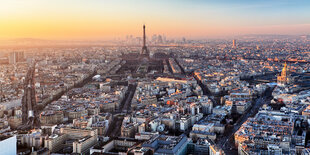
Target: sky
[110, 19]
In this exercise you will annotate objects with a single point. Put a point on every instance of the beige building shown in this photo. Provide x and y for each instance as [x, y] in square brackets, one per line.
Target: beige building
[15, 121]
[34, 139]
[84, 144]
[56, 117]
[84, 139]
[72, 114]
[75, 133]
[55, 142]
[129, 130]
[109, 107]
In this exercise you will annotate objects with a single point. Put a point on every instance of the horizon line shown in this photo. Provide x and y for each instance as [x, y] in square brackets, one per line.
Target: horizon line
[147, 36]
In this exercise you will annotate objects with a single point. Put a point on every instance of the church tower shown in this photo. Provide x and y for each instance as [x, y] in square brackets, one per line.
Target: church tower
[284, 78]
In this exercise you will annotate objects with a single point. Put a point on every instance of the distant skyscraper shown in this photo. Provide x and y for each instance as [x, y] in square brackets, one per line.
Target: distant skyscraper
[160, 39]
[144, 51]
[184, 40]
[20, 57]
[15, 57]
[234, 43]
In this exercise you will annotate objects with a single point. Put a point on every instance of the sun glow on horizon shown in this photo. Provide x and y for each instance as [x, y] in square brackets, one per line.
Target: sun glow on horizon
[103, 19]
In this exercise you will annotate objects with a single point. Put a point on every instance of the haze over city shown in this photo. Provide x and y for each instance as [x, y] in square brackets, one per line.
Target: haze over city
[104, 19]
[155, 77]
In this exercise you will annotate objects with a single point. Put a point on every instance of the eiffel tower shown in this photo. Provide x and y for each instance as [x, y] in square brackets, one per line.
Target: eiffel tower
[144, 51]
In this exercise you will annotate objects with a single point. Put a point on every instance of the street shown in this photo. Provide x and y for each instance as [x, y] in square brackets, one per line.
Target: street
[226, 142]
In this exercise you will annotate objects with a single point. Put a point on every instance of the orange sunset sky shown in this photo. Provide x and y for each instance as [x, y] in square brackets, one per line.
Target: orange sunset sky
[110, 19]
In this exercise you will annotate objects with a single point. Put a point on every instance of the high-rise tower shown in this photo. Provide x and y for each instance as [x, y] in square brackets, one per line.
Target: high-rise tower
[234, 44]
[144, 51]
